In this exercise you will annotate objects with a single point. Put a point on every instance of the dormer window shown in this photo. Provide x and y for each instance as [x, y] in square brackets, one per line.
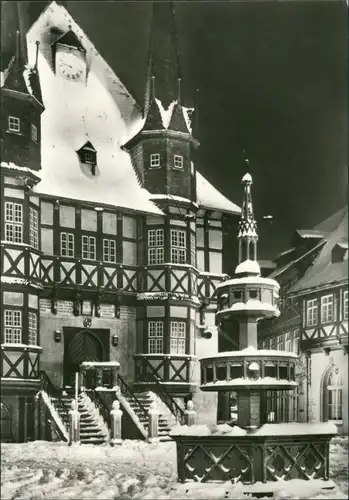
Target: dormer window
[155, 160]
[88, 156]
[178, 161]
[14, 124]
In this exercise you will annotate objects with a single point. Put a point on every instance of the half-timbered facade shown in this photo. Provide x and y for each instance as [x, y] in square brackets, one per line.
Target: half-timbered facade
[313, 275]
[111, 241]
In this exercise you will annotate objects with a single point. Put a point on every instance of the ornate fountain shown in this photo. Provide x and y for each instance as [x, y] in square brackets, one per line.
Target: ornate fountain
[254, 449]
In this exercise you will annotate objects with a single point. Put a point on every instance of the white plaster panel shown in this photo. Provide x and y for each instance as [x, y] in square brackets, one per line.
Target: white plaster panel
[47, 241]
[67, 216]
[178, 312]
[46, 213]
[14, 193]
[109, 223]
[129, 227]
[155, 311]
[129, 252]
[13, 299]
[88, 220]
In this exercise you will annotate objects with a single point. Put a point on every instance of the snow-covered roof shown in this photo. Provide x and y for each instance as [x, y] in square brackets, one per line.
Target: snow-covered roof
[98, 111]
[296, 429]
[324, 271]
[248, 266]
[262, 382]
[251, 352]
[210, 198]
[249, 280]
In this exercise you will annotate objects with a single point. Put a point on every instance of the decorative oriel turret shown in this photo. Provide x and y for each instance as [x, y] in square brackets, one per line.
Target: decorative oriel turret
[20, 239]
[162, 149]
[21, 99]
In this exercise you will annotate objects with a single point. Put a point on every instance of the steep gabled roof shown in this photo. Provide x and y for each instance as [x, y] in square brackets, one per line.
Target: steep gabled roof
[210, 198]
[16, 74]
[324, 271]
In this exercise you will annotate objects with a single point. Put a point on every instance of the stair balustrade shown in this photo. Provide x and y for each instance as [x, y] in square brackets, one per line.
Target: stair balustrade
[97, 400]
[53, 391]
[128, 393]
[171, 404]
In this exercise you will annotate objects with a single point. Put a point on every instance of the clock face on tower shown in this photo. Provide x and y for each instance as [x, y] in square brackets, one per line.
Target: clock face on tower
[70, 66]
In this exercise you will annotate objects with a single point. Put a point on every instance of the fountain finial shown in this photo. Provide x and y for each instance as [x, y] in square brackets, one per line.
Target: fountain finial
[247, 234]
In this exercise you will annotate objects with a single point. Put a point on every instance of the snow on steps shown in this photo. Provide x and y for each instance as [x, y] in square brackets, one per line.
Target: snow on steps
[93, 429]
[55, 414]
[139, 418]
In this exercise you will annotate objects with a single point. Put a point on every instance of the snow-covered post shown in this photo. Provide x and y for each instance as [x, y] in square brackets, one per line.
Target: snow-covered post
[115, 423]
[74, 424]
[190, 414]
[153, 423]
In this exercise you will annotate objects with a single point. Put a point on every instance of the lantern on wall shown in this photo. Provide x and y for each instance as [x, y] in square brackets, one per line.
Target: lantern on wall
[58, 336]
[115, 340]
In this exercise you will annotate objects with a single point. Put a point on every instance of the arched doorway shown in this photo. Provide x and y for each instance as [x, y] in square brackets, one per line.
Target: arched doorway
[5, 424]
[83, 346]
[332, 395]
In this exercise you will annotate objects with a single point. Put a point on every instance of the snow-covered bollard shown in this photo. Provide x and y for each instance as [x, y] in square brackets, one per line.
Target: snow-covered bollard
[153, 423]
[190, 414]
[115, 424]
[74, 424]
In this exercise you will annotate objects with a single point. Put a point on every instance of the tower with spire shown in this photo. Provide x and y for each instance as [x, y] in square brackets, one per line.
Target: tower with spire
[22, 106]
[162, 150]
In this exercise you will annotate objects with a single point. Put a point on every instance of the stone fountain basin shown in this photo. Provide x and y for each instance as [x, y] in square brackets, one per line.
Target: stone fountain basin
[273, 452]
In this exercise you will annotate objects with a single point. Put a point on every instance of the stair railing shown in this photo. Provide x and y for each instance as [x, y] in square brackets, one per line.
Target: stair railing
[127, 391]
[52, 390]
[96, 398]
[171, 404]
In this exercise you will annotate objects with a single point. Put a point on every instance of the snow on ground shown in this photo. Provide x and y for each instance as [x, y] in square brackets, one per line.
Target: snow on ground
[135, 469]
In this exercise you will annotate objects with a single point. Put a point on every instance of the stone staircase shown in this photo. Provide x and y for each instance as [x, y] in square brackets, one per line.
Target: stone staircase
[144, 399]
[90, 430]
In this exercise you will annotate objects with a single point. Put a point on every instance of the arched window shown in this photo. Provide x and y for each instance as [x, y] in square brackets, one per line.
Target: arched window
[332, 395]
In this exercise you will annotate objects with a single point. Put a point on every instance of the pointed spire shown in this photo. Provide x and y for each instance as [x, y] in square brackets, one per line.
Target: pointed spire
[163, 61]
[247, 234]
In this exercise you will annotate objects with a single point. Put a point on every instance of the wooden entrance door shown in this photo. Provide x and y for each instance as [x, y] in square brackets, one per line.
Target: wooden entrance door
[83, 346]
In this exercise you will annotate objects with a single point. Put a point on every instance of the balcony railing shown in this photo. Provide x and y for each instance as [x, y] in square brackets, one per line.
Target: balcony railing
[102, 374]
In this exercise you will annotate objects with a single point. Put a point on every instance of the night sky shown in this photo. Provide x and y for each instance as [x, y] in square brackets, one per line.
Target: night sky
[273, 80]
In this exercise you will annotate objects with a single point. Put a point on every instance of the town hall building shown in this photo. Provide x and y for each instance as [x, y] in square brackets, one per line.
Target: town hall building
[111, 238]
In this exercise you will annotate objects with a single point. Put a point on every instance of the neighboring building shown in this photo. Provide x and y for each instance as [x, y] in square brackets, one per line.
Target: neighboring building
[313, 275]
[111, 238]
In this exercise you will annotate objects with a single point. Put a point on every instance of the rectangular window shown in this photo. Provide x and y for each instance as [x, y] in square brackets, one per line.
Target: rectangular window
[155, 246]
[155, 337]
[288, 342]
[13, 326]
[296, 341]
[33, 227]
[280, 343]
[155, 160]
[88, 158]
[32, 329]
[67, 245]
[34, 133]
[177, 345]
[192, 249]
[311, 312]
[178, 161]
[345, 304]
[178, 246]
[13, 222]
[14, 124]
[327, 308]
[109, 250]
[89, 247]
